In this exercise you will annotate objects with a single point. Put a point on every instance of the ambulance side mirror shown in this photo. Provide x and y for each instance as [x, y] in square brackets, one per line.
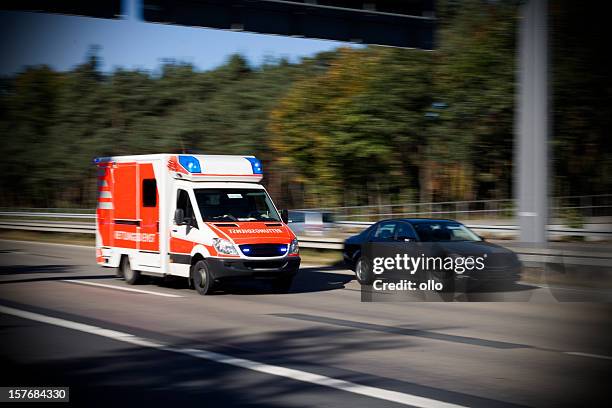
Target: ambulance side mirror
[285, 216]
[179, 216]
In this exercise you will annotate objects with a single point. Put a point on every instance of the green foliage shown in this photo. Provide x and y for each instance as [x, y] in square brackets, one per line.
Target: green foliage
[582, 99]
[54, 124]
[572, 218]
[382, 121]
[348, 127]
[344, 131]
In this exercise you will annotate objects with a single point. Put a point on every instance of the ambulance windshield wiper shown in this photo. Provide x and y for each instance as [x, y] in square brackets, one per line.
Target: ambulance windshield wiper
[224, 216]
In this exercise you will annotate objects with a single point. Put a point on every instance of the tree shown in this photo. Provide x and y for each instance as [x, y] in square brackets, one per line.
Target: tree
[350, 131]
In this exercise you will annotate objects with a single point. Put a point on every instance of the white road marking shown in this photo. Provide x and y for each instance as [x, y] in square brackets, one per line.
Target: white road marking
[578, 353]
[102, 285]
[304, 376]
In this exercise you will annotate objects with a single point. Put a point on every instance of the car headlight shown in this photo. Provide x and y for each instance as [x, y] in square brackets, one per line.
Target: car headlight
[294, 248]
[223, 246]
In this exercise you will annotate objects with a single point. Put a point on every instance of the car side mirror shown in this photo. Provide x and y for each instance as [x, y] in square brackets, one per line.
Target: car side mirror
[179, 216]
[285, 216]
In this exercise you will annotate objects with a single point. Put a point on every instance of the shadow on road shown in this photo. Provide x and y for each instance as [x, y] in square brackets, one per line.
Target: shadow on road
[307, 280]
[55, 278]
[404, 331]
[101, 372]
[42, 273]
[31, 269]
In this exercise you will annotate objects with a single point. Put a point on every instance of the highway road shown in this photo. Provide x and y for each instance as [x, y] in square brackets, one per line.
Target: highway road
[65, 321]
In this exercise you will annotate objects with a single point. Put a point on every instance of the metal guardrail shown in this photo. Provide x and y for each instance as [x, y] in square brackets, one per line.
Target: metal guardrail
[553, 230]
[89, 228]
[533, 256]
[561, 206]
[526, 254]
[324, 243]
[49, 226]
[583, 205]
[24, 214]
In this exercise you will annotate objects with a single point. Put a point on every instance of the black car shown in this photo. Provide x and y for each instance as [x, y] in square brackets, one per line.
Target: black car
[430, 238]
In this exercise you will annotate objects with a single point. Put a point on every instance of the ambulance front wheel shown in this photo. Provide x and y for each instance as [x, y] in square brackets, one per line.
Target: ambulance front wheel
[131, 276]
[202, 279]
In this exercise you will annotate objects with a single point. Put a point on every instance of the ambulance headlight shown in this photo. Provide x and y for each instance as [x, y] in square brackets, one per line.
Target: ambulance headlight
[294, 248]
[223, 246]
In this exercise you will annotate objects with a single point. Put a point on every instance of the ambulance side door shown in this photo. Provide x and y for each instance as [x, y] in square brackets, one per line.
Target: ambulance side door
[126, 221]
[149, 251]
[183, 231]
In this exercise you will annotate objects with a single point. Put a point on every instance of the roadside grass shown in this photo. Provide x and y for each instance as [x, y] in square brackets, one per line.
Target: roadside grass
[326, 257]
[574, 276]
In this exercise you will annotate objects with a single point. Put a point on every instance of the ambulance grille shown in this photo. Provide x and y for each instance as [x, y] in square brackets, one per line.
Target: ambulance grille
[265, 264]
[264, 250]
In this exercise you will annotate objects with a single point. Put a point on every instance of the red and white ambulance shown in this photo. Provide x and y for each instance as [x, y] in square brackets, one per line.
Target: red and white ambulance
[202, 217]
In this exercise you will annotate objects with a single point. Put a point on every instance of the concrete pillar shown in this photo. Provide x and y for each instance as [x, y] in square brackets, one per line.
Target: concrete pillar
[531, 163]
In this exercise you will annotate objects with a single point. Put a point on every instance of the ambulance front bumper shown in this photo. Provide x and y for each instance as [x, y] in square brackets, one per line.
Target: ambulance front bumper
[264, 269]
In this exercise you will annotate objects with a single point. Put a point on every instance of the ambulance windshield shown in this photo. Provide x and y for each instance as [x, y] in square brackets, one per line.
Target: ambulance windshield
[235, 204]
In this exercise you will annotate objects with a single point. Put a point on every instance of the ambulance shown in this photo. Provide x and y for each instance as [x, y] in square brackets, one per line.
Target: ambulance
[202, 217]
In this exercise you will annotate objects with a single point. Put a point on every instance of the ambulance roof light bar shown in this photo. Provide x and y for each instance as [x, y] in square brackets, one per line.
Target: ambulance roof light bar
[216, 168]
[256, 164]
[198, 167]
[190, 163]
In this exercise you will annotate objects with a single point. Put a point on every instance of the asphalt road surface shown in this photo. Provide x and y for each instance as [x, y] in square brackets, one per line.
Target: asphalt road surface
[66, 322]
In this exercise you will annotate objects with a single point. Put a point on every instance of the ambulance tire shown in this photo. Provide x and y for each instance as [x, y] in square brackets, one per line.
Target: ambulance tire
[131, 276]
[202, 279]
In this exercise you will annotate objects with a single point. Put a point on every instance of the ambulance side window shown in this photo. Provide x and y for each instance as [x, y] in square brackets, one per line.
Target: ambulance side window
[184, 203]
[149, 193]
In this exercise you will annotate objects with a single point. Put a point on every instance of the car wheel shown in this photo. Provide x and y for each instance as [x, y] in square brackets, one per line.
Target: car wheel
[363, 272]
[445, 278]
[202, 278]
[131, 276]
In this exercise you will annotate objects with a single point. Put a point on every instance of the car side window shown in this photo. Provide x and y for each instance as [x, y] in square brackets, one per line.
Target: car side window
[297, 216]
[404, 232]
[385, 231]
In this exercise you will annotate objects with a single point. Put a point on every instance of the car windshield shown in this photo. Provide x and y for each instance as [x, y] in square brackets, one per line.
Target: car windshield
[444, 231]
[235, 204]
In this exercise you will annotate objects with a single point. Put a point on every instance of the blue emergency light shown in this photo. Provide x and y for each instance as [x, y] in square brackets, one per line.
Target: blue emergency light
[190, 163]
[255, 164]
[276, 250]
